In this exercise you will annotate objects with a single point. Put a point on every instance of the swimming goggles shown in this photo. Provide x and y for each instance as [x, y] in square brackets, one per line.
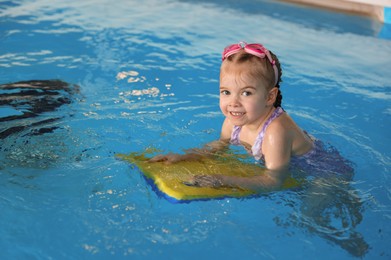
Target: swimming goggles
[255, 49]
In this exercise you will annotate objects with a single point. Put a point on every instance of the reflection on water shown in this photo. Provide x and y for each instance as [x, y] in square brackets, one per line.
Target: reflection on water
[131, 77]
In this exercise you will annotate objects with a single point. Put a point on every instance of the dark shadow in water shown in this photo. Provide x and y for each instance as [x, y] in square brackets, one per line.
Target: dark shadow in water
[331, 209]
[28, 100]
[32, 133]
[328, 206]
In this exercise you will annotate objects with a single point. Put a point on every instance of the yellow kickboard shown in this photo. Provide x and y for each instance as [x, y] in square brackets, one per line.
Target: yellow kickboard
[170, 179]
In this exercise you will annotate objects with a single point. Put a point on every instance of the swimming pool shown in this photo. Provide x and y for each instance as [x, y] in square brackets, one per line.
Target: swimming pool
[145, 75]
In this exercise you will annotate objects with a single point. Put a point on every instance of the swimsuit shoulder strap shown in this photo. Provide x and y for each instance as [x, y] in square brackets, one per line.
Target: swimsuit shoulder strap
[257, 147]
[235, 135]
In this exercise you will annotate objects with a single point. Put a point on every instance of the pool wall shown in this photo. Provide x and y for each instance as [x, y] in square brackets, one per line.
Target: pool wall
[379, 9]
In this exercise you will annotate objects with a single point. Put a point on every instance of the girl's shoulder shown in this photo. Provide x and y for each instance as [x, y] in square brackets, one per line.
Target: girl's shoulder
[281, 123]
[283, 128]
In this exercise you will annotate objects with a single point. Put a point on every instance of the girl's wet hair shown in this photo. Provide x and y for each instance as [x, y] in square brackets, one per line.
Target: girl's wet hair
[260, 66]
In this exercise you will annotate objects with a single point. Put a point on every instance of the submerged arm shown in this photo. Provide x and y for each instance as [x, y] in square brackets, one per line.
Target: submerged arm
[269, 180]
[194, 154]
[197, 154]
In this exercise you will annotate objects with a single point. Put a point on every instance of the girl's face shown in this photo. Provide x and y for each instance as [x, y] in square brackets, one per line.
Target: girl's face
[244, 99]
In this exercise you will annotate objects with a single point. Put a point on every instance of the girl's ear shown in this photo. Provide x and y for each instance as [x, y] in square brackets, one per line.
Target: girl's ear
[272, 95]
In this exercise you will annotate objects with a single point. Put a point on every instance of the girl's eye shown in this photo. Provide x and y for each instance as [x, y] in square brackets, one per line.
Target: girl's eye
[246, 93]
[224, 92]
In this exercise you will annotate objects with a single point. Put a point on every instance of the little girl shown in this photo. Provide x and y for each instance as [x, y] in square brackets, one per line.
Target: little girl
[250, 100]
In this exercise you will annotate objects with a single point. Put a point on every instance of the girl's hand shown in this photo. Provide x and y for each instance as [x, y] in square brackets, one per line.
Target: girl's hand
[174, 157]
[167, 158]
[214, 181]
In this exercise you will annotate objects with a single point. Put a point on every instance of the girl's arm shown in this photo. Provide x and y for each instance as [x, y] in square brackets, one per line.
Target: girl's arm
[276, 148]
[268, 181]
[194, 154]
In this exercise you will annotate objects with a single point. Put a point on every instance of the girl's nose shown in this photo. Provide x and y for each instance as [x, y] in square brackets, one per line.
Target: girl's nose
[234, 101]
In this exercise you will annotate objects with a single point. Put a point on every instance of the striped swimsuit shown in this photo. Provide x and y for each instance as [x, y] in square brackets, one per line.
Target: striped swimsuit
[321, 160]
[256, 149]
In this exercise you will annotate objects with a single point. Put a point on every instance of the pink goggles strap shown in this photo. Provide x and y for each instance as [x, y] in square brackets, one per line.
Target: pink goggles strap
[255, 49]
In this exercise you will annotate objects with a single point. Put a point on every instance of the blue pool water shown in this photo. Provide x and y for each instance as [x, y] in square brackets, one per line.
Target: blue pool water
[145, 75]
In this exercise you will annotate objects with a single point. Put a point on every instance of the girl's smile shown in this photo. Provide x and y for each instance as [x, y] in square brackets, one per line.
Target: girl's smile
[236, 114]
[243, 99]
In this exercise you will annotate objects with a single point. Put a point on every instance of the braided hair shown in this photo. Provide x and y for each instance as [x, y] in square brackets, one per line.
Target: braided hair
[278, 101]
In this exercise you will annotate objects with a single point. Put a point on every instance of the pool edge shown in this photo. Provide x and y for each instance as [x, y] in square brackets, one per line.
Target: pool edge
[378, 9]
